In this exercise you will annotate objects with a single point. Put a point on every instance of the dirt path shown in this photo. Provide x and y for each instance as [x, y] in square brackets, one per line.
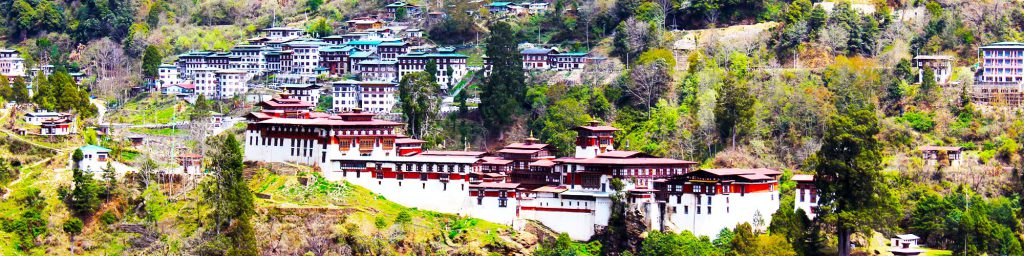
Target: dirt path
[32, 166]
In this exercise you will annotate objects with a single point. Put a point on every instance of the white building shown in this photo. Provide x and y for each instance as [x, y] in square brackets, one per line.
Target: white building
[706, 201]
[308, 92]
[806, 195]
[372, 97]
[167, 74]
[378, 70]
[305, 56]
[941, 65]
[205, 81]
[231, 82]
[94, 159]
[523, 181]
[283, 32]
[11, 63]
[37, 118]
[445, 59]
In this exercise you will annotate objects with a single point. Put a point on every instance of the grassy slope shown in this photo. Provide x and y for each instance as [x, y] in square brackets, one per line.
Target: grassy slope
[157, 109]
[371, 212]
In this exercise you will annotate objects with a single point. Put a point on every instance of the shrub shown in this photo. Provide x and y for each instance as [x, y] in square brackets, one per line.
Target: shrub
[920, 121]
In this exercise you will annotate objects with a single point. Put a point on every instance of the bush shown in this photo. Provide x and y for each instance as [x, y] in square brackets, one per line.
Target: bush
[920, 121]
[108, 218]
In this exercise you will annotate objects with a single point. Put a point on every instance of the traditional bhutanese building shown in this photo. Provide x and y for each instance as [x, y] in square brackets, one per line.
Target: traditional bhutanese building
[806, 195]
[284, 106]
[521, 181]
[58, 126]
[705, 201]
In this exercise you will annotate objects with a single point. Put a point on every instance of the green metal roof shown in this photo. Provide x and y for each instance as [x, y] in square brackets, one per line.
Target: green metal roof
[93, 148]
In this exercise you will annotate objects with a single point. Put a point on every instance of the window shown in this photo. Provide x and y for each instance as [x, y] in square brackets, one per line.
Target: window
[698, 210]
[709, 200]
[686, 209]
[709, 209]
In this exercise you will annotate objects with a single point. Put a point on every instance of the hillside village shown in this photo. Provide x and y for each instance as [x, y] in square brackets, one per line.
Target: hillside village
[555, 127]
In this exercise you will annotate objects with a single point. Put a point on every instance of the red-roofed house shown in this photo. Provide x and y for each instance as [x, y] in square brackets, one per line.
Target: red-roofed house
[593, 139]
[705, 201]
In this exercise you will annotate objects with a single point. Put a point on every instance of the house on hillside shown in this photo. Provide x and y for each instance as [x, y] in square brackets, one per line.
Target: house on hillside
[37, 118]
[941, 155]
[942, 65]
[59, 126]
[191, 163]
[94, 159]
[181, 89]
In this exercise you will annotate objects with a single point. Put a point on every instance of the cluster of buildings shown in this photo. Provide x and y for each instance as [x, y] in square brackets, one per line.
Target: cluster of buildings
[519, 182]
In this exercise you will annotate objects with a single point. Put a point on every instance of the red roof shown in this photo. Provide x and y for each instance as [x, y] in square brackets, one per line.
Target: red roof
[495, 185]
[543, 163]
[453, 153]
[550, 189]
[190, 155]
[625, 161]
[802, 178]
[623, 154]
[518, 151]
[408, 141]
[496, 161]
[597, 128]
[327, 122]
[185, 85]
[755, 177]
[277, 103]
[527, 146]
[741, 171]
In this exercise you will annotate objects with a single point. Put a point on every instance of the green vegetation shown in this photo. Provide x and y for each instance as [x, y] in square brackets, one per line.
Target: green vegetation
[154, 109]
[504, 90]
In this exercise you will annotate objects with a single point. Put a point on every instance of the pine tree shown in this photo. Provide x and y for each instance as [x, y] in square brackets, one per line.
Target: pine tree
[151, 62]
[235, 207]
[503, 93]
[20, 93]
[848, 173]
[83, 196]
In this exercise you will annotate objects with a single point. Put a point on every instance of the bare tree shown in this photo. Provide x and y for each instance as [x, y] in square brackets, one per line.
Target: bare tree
[113, 68]
[638, 35]
[649, 82]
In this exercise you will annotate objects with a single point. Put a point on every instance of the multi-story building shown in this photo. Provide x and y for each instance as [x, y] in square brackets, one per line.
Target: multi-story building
[205, 81]
[524, 181]
[230, 83]
[705, 201]
[378, 70]
[372, 97]
[335, 59]
[189, 62]
[1002, 63]
[568, 60]
[309, 92]
[445, 59]
[282, 32]
[1000, 75]
[941, 65]
[11, 63]
[305, 57]
[167, 75]
[390, 50]
[372, 45]
[806, 195]
[249, 58]
[537, 58]
[390, 10]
